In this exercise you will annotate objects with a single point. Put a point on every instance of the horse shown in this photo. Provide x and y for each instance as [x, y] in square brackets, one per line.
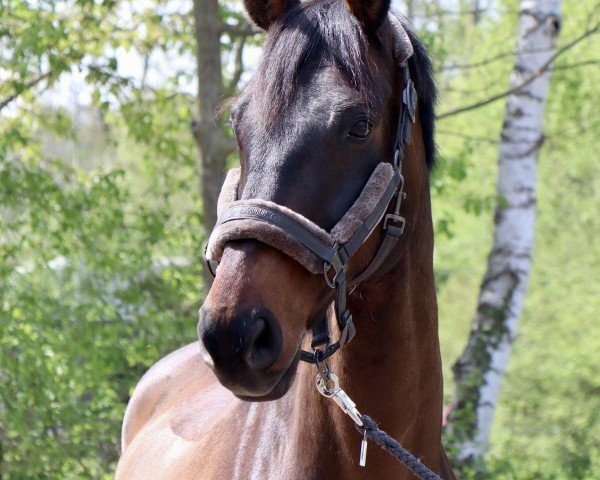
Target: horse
[318, 129]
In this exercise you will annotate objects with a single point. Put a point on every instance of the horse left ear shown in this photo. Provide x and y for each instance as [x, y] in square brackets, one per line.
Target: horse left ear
[265, 12]
[370, 13]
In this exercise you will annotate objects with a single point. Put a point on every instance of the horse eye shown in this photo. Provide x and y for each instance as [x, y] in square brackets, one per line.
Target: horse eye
[361, 129]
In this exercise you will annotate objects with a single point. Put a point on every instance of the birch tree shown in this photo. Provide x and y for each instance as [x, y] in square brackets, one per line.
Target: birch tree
[479, 371]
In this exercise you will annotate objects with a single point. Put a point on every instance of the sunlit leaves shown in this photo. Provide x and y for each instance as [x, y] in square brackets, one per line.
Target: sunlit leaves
[99, 241]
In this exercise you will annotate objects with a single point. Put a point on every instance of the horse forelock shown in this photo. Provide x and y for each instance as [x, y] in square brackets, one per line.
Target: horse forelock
[319, 33]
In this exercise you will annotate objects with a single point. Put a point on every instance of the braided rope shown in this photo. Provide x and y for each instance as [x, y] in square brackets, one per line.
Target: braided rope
[372, 431]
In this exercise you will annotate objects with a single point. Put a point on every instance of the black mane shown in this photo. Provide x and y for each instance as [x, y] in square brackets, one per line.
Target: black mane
[421, 71]
[325, 31]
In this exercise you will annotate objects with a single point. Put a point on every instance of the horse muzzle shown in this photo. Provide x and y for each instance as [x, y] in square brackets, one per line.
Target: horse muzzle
[241, 350]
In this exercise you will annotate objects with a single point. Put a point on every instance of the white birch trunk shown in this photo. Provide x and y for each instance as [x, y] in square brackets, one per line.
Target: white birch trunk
[479, 371]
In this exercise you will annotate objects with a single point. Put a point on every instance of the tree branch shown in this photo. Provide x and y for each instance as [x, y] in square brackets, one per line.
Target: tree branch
[27, 86]
[535, 74]
[238, 66]
[487, 61]
[472, 138]
[241, 29]
[583, 63]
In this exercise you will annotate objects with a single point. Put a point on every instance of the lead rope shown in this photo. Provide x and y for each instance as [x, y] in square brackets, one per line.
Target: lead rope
[328, 385]
[371, 430]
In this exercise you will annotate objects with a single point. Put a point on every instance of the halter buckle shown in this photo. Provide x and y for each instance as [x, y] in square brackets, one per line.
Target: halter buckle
[409, 97]
[399, 221]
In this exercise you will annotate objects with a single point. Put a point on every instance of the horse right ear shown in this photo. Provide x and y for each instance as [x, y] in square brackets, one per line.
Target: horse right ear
[370, 13]
[403, 48]
[265, 12]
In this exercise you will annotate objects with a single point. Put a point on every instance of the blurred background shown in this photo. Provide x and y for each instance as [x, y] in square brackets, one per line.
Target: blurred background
[103, 194]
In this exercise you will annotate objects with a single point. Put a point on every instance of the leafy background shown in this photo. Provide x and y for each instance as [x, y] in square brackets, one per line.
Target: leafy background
[101, 231]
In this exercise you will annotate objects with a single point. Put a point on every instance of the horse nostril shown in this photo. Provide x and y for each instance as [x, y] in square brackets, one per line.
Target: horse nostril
[263, 344]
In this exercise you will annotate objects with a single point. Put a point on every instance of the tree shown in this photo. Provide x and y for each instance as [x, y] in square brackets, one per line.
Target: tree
[213, 142]
[479, 371]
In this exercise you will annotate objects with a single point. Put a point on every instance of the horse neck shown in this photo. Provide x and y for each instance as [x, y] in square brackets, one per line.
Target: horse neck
[392, 368]
[393, 365]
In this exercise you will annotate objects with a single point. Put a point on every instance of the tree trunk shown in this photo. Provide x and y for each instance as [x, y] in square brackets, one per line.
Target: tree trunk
[479, 371]
[213, 143]
[476, 11]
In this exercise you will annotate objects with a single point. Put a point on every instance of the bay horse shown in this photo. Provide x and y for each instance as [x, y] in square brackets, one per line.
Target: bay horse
[317, 128]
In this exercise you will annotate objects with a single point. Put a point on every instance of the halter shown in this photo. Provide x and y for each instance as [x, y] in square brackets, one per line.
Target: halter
[315, 249]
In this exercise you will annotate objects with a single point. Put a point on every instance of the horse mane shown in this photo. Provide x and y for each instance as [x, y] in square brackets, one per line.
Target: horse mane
[421, 71]
[325, 31]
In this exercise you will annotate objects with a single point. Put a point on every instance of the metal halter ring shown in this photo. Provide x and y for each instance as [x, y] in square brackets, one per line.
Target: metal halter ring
[326, 268]
[328, 387]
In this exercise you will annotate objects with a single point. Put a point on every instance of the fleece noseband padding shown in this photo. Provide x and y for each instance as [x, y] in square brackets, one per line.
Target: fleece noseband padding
[235, 222]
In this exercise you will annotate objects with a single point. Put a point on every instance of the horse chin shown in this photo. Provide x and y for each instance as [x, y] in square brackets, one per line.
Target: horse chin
[279, 390]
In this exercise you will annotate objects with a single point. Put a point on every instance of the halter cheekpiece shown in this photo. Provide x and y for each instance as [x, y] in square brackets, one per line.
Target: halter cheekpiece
[321, 252]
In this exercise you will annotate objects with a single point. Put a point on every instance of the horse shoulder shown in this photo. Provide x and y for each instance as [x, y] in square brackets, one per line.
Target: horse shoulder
[163, 385]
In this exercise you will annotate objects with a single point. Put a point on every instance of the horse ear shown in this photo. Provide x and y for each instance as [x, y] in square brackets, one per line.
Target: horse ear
[403, 48]
[370, 13]
[265, 12]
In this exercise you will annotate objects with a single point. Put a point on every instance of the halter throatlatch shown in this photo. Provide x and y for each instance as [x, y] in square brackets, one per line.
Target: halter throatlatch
[321, 252]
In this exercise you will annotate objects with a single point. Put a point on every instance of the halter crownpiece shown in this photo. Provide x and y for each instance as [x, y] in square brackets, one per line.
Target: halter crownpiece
[311, 246]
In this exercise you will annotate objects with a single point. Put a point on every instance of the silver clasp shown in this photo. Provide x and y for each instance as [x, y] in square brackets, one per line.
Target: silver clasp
[330, 388]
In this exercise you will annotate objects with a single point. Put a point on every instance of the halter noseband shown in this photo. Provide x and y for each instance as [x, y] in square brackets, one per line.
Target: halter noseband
[311, 246]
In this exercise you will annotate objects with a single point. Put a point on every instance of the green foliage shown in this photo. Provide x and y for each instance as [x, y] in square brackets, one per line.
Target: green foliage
[97, 247]
[88, 302]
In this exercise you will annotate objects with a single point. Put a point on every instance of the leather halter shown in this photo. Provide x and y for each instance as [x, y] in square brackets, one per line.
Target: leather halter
[336, 257]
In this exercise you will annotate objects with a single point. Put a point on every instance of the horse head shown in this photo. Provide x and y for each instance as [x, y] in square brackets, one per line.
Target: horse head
[313, 124]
